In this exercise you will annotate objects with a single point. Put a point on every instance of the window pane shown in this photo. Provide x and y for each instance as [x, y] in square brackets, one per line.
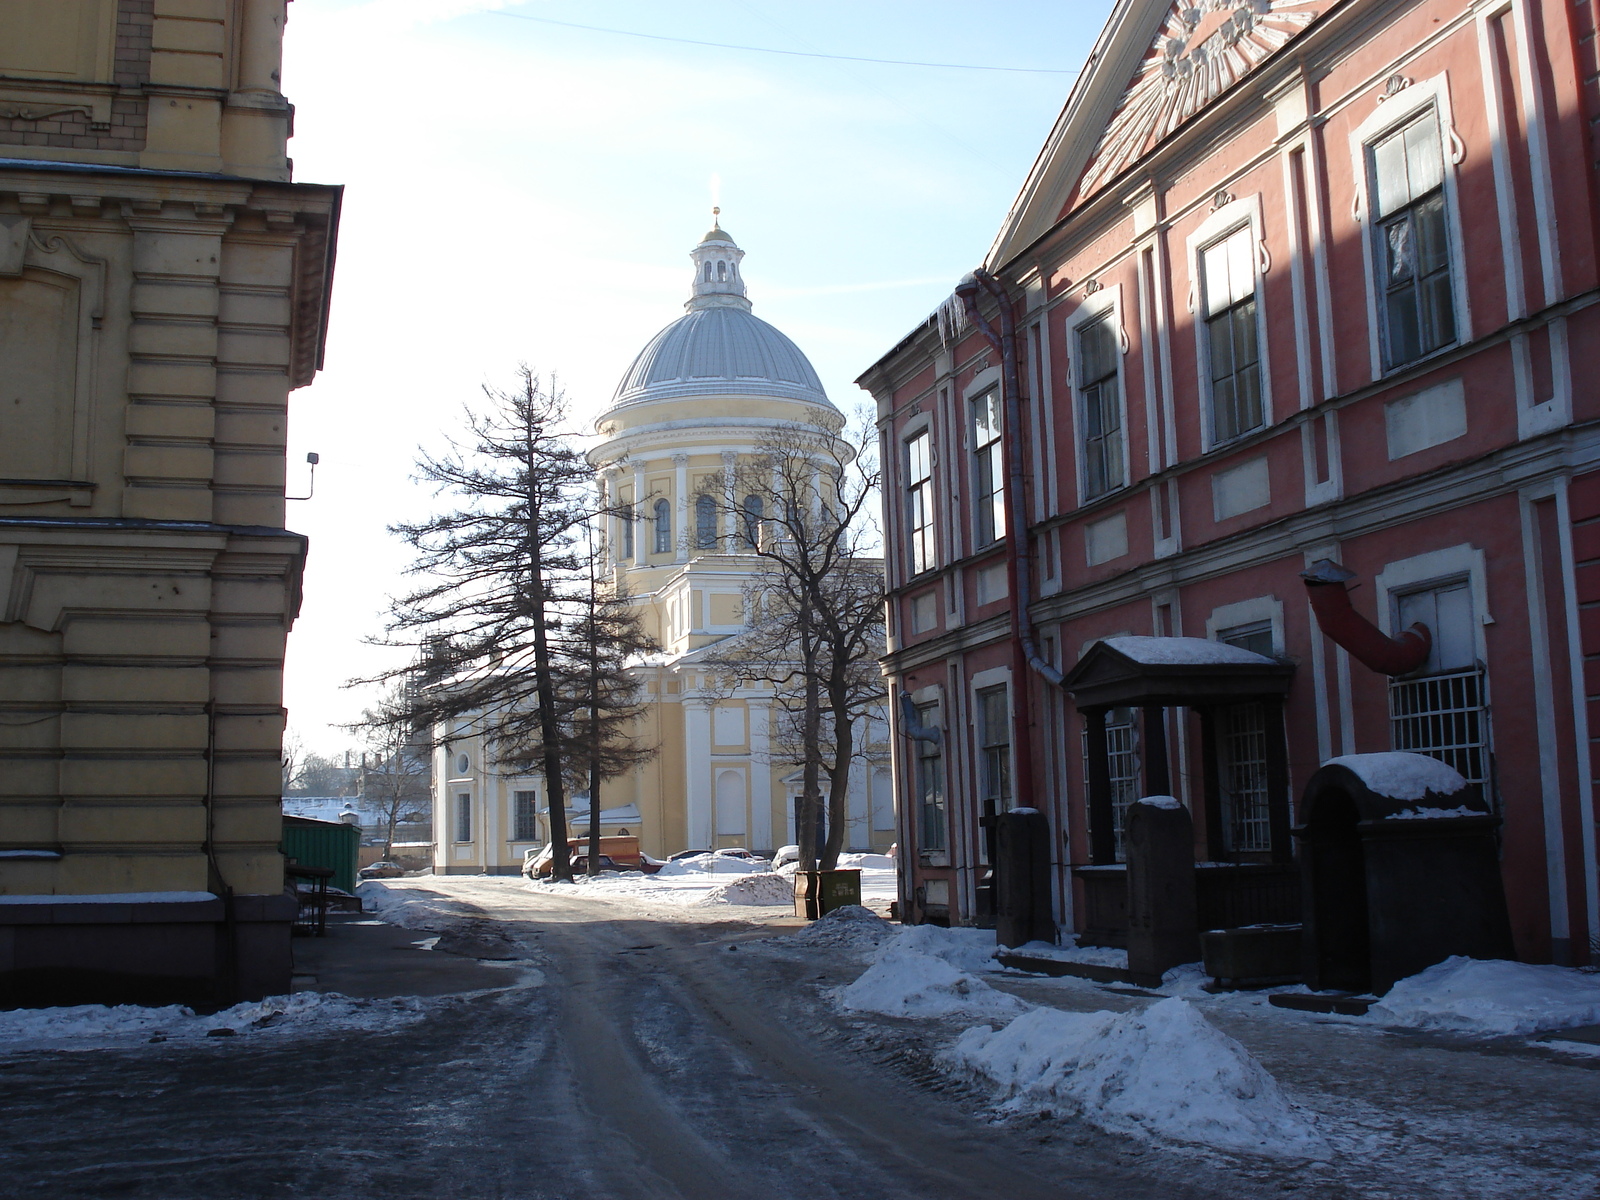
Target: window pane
[1214, 278]
[1424, 162]
[1402, 264]
[1404, 341]
[1241, 264]
[1432, 244]
[1389, 174]
[1220, 343]
[1095, 351]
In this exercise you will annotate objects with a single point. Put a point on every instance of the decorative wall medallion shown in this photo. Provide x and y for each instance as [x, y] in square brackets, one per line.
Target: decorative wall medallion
[1203, 48]
[1091, 286]
[1221, 199]
[1393, 86]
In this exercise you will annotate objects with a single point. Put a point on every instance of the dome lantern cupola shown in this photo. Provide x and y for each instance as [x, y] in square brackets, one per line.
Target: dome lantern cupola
[717, 283]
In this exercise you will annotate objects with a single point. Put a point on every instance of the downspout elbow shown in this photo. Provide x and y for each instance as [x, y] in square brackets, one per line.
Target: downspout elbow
[1351, 631]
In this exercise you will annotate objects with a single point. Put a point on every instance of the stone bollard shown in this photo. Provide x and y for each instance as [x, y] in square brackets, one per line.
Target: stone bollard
[1163, 925]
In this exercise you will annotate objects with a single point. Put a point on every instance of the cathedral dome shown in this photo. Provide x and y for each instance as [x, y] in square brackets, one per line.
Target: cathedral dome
[718, 348]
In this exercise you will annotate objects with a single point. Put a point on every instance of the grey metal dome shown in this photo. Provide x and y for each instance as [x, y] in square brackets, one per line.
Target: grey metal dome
[719, 351]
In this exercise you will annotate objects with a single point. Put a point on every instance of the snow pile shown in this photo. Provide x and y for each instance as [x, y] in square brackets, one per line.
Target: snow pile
[1165, 1071]
[410, 907]
[867, 862]
[905, 982]
[93, 1026]
[1098, 956]
[761, 887]
[849, 928]
[969, 950]
[1492, 998]
[1402, 775]
[1436, 814]
[1166, 802]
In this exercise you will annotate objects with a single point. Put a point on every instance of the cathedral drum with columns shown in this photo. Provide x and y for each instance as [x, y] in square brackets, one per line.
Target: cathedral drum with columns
[698, 399]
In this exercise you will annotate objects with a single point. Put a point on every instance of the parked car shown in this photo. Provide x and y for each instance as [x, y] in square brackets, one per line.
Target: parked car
[682, 854]
[785, 855]
[381, 870]
[617, 853]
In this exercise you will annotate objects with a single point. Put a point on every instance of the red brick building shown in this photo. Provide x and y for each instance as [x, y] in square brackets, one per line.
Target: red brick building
[1289, 281]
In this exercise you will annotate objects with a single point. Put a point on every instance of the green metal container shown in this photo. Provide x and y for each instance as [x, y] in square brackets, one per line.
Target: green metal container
[817, 893]
[330, 844]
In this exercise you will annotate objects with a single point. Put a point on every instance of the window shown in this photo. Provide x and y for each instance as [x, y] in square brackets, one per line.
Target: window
[1122, 761]
[705, 523]
[1228, 281]
[462, 764]
[754, 509]
[1100, 406]
[663, 527]
[931, 827]
[464, 817]
[994, 736]
[988, 469]
[1242, 769]
[1255, 637]
[919, 501]
[1442, 709]
[524, 828]
[1412, 245]
[628, 519]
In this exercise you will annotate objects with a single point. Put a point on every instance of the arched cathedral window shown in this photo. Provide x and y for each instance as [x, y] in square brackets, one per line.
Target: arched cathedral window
[663, 527]
[705, 523]
[753, 512]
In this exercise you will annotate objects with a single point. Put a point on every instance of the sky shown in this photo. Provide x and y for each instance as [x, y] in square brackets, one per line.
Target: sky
[518, 190]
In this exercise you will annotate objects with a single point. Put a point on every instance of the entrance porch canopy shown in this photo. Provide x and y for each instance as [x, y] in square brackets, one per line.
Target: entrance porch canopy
[1157, 673]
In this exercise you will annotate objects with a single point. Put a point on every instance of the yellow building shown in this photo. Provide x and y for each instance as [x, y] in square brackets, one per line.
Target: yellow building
[163, 287]
[699, 398]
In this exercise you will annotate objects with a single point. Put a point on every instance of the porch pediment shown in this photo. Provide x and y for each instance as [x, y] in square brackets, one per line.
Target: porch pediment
[1168, 671]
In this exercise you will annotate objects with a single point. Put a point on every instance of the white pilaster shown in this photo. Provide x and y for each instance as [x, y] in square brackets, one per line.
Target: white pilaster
[697, 793]
[760, 777]
[681, 526]
[642, 530]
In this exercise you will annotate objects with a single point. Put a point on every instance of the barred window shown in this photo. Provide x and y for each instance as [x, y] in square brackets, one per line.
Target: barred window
[931, 827]
[1242, 768]
[994, 736]
[1122, 761]
[524, 827]
[1442, 710]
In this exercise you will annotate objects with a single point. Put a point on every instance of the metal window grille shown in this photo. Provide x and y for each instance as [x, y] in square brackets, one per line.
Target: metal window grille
[1242, 732]
[1443, 716]
[1122, 760]
[525, 829]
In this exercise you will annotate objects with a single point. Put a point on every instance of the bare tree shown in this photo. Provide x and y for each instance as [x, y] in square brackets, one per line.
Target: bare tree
[499, 575]
[395, 767]
[289, 759]
[324, 775]
[802, 505]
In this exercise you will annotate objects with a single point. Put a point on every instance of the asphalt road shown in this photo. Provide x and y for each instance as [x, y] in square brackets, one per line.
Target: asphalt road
[655, 1060]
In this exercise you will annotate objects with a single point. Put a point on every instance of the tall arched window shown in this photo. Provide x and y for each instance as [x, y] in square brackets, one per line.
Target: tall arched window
[722, 271]
[708, 272]
[753, 513]
[663, 527]
[627, 520]
[705, 523]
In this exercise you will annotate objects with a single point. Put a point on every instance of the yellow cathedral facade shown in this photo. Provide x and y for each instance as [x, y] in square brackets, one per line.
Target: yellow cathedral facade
[699, 399]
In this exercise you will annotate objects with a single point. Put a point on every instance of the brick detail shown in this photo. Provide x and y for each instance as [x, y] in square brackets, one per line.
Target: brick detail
[72, 131]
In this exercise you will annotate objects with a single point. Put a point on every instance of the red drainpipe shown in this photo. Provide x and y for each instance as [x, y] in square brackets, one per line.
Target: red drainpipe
[1024, 655]
[1364, 641]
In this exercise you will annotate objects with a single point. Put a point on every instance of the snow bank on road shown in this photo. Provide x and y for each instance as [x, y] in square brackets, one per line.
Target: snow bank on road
[761, 887]
[1492, 998]
[1165, 1071]
[409, 907]
[905, 982]
[96, 1026]
[710, 864]
[969, 950]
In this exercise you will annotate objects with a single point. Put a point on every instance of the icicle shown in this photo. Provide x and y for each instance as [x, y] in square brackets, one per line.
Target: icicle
[952, 318]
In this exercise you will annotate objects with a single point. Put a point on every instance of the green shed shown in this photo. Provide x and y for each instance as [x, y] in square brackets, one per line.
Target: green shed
[330, 844]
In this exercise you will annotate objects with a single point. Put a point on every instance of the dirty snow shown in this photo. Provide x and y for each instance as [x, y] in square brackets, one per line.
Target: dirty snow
[1097, 956]
[1492, 998]
[1164, 1071]
[1182, 651]
[96, 1026]
[905, 982]
[851, 928]
[1402, 775]
[1436, 814]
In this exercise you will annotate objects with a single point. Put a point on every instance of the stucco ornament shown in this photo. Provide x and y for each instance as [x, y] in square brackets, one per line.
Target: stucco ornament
[1202, 49]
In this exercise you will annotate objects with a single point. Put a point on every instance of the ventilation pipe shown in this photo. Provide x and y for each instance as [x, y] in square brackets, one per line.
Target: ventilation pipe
[1364, 641]
[911, 725]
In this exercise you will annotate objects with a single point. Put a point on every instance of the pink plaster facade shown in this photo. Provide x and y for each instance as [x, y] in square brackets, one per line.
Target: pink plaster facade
[1462, 475]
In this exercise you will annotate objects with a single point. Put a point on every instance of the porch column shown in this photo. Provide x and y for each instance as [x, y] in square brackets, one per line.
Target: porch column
[1278, 814]
[1157, 774]
[1102, 834]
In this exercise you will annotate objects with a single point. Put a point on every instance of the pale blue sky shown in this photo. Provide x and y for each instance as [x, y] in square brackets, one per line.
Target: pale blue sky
[517, 190]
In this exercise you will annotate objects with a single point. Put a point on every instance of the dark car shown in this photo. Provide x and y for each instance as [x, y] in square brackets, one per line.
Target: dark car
[687, 854]
[381, 870]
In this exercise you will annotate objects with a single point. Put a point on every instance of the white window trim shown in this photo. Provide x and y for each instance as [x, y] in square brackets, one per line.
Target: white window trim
[1437, 566]
[1219, 226]
[1391, 113]
[1108, 298]
[1249, 612]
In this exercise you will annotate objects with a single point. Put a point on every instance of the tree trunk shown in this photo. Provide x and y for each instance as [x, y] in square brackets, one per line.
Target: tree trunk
[594, 727]
[844, 749]
[810, 792]
[544, 684]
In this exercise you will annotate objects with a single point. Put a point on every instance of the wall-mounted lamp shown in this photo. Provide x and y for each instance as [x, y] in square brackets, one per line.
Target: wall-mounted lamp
[313, 458]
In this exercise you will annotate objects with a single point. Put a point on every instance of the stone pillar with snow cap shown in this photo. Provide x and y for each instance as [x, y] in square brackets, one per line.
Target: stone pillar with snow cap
[1163, 921]
[1400, 865]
